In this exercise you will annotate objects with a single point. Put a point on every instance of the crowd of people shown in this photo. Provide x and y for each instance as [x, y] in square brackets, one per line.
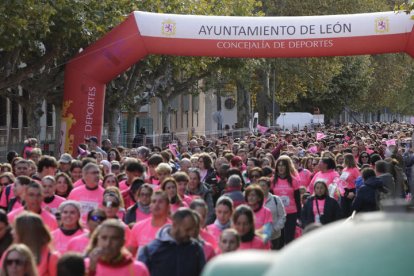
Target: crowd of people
[169, 211]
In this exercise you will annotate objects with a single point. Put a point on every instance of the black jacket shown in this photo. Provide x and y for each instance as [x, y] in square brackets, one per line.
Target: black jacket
[164, 256]
[331, 213]
[367, 198]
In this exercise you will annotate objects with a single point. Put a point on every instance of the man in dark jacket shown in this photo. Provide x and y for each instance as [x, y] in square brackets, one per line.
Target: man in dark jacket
[174, 252]
[368, 196]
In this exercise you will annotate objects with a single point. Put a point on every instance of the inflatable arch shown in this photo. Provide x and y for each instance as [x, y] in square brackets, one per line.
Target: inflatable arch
[146, 33]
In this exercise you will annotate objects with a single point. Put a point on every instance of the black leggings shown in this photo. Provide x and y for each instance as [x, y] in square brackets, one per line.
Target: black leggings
[288, 232]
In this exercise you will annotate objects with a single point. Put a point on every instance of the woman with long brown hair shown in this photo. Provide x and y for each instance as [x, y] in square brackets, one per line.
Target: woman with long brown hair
[286, 185]
[18, 261]
[30, 230]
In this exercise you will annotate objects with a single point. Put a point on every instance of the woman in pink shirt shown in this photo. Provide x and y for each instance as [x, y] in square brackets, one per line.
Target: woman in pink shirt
[69, 225]
[169, 185]
[107, 255]
[112, 205]
[119, 207]
[141, 209]
[75, 170]
[94, 219]
[224, 211]
[182, 180]
[51, 201]
[208, 249]
[349, 175]
[110, 180]
[30, 230]
[18, 261]
[243, 222]
[63, 185]
[327, 172]
[263, 220]
[286, 185]
[200, 207]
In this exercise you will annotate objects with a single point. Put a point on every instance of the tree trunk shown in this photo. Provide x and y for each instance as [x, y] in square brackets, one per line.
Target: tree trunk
[165, 113]
[263, 98]
[130, 129]
[243, 105]
[113, 126]
[34, 112]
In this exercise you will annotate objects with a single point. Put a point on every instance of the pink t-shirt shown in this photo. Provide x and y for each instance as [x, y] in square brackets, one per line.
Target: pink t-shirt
[47, 217]
[328, 177]
[123, 185]
[287, 193]
[80, 182]
[143, 233]
[135, 268]
[209, 251]
[206, 236]
[61, 241]
[79, 243]
[54, 205]
[349, 175]
[261, 217]
[256, 243]
[320, 207]
[174, 207]
[187, 199]
[139, 215]
[214, 231]
[88, 199]
[305, 177]
[48, 263]
[16, 205]
[4, 199]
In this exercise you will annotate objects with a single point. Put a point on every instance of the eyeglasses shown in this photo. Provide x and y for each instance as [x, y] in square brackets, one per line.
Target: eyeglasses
[18, 262]
[97, 218]
[111, 204]
[144, 194]
[255, 176]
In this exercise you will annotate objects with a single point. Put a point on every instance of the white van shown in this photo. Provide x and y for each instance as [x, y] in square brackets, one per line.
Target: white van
[294, 120]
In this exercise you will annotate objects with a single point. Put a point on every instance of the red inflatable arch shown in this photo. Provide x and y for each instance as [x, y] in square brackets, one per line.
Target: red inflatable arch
[189, 35]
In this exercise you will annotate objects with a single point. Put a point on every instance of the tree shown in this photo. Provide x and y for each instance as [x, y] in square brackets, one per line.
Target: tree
[36, 40]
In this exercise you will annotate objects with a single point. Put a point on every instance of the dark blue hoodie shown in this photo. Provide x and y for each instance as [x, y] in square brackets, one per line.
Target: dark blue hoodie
[367, 198]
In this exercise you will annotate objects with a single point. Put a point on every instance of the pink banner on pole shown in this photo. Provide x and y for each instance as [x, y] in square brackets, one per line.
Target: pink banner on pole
[262, 129]
[390, 142]
[320, 136]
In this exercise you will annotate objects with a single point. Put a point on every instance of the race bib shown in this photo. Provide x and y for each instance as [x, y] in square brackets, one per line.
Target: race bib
[344, 176]
[86, 206]
[285, 200]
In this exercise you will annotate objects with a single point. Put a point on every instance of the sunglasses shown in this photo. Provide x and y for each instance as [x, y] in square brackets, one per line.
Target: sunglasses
[110, 204]
[255, 176]
[97, 218]
[364, 156]
[18, 262]
[4, 184]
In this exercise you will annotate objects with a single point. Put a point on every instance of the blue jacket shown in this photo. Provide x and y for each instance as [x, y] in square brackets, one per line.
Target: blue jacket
[164, 256]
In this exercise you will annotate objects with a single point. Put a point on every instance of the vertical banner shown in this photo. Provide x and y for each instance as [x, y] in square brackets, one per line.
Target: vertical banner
[82, 112]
